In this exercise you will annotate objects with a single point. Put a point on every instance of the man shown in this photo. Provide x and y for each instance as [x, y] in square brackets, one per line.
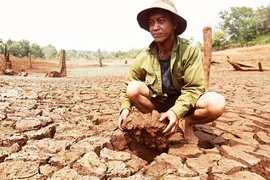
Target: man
[168, 76]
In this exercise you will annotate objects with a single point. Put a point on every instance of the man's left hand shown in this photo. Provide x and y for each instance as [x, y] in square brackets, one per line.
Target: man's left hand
[173, 122]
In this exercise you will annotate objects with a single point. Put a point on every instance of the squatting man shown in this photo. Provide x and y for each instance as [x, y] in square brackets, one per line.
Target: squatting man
[168, 75]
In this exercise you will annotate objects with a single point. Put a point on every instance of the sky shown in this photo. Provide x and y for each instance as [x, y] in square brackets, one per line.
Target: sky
[108, 25]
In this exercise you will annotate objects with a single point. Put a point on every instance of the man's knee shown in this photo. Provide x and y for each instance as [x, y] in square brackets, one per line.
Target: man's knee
[134, 88]
[215, 103]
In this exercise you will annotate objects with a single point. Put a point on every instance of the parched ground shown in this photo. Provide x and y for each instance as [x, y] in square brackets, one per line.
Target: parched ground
[66, 128]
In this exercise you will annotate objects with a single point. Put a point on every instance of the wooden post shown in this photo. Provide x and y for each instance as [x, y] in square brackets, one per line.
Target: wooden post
[260, 66]
[207, 39]
[30, 61]
[63, 69]
[99, 58]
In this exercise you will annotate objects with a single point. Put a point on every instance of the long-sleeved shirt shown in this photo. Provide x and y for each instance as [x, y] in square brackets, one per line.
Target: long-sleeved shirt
[186, 69]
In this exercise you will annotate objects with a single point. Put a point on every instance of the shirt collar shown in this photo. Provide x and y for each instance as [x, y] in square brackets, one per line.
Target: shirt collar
[152, 48]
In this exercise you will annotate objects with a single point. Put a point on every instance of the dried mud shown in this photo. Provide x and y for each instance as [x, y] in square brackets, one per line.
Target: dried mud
[66, 128]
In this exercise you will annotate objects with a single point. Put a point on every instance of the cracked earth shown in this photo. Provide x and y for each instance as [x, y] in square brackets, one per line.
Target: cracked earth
[66, 128]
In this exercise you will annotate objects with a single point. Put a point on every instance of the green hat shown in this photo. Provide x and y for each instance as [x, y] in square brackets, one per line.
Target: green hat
[167, 5]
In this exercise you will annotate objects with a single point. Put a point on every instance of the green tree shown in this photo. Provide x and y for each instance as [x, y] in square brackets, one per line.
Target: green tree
[239, 23]
[36, 51]
[14, 49]
[263, 20]
[71, 54]
[18, 49]
[49, 52]
[219, 40]
[24, 47]
[9, 42]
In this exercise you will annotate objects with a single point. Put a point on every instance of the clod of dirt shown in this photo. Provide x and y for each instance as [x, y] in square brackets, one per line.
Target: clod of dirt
[146, 129]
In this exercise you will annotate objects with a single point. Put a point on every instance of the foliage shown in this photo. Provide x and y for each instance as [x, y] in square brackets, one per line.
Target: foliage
[49, 52]
[219, 41]
[239, 23]
[263, 17]
[36, 51]
[14, 49]
[242, 26]
[24, 49]
[263, 39]
[18, 49]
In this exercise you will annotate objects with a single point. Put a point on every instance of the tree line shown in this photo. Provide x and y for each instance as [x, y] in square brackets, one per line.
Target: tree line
[24, 48]
[238, 27]
[242, 26]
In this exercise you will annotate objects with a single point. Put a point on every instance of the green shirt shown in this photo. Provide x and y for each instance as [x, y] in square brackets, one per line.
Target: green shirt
[186, 72]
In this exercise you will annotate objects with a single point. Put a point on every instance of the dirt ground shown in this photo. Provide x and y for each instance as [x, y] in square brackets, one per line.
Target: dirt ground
[66, 128]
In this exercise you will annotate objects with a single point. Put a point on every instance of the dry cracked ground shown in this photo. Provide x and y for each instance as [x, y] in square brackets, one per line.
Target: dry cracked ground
[66, 128]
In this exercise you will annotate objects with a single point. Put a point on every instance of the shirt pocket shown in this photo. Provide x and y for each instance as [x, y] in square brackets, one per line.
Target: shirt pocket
[178, 79]
[150, 79]
[150, 82]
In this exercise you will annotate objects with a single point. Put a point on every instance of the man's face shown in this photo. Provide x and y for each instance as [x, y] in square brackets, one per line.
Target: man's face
[161, 25]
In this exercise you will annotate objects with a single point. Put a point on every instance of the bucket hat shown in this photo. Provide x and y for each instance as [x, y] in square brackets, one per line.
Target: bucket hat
[167, 5]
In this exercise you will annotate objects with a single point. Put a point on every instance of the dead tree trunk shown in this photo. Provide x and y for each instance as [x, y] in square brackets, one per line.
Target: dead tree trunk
[99, 58]
[243, 67]
[63, 68]
[207, 38]
[30, 61]
[8, 64]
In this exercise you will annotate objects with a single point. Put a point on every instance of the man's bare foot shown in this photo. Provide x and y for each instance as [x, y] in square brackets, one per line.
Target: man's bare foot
[188, 132]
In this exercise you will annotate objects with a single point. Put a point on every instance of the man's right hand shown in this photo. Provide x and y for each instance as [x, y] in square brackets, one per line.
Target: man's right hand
[124, 114]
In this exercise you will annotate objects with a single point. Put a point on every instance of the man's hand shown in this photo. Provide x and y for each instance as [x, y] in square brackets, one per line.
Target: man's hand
[173, 122]
[124, 114]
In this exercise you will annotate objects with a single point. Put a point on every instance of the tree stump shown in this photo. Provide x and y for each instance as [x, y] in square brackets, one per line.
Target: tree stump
[63, 67]
[99, 58]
